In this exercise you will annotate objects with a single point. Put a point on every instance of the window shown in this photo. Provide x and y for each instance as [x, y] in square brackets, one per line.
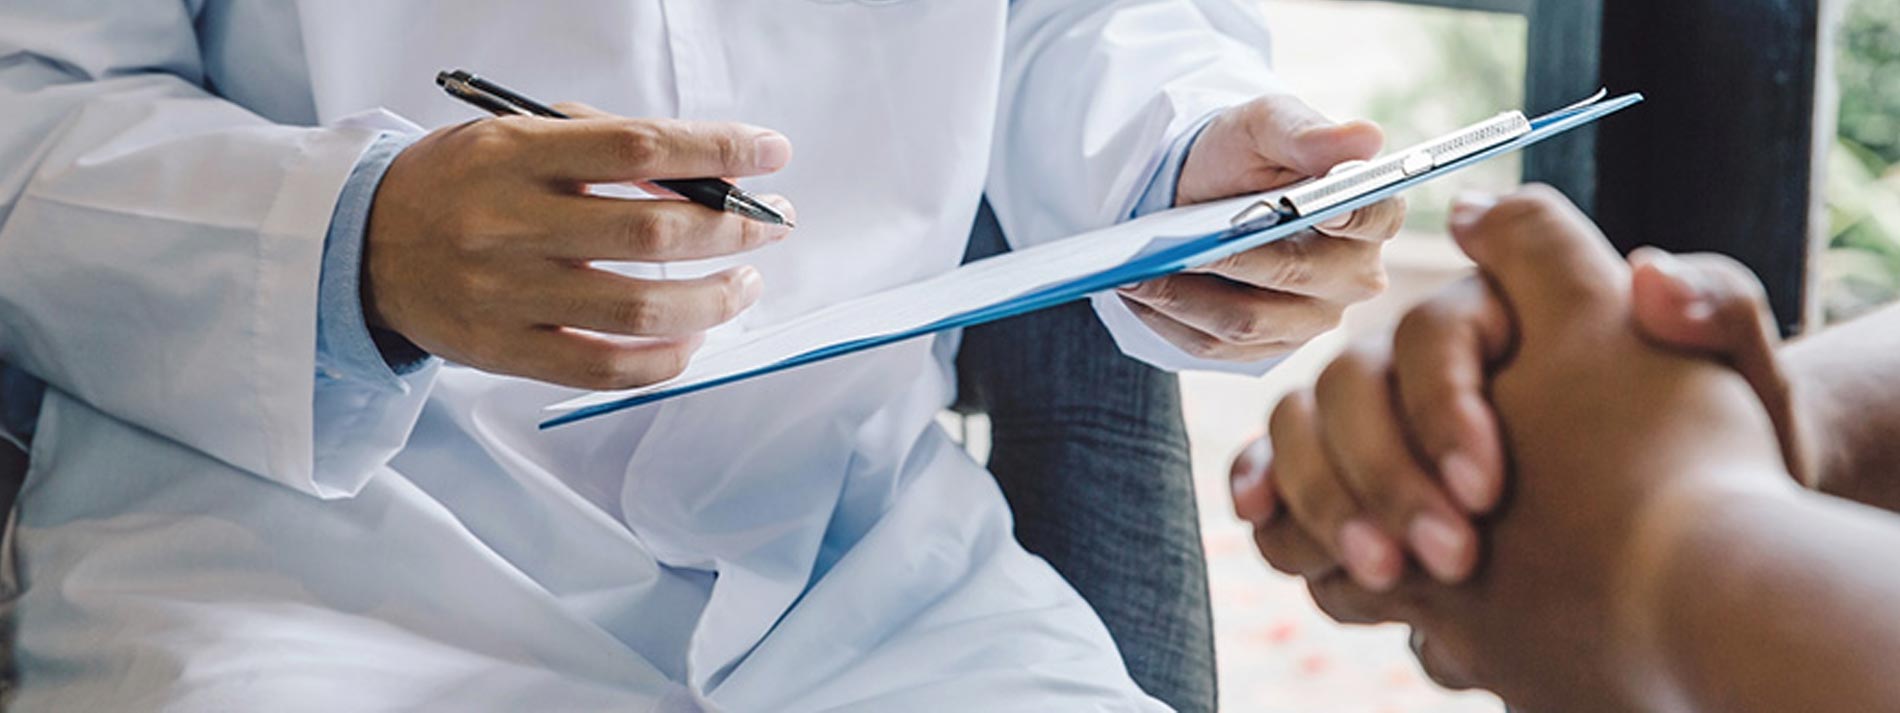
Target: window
[1860, 269]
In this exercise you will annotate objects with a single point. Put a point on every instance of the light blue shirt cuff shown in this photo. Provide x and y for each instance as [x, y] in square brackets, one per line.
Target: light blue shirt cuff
[1160, 193]
[348, 349]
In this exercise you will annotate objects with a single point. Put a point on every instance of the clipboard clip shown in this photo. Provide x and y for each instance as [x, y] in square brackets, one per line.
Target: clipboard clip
[1356, 179]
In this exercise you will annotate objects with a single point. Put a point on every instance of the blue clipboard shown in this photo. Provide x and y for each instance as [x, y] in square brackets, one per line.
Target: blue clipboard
[1166, 256]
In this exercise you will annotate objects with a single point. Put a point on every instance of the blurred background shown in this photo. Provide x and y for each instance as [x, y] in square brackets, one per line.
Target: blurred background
[1421, 71]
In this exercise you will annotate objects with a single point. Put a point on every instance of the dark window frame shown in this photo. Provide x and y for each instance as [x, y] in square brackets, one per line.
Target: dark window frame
[1726, 155]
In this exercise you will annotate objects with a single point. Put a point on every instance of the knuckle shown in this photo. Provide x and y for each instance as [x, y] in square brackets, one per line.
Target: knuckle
[1373, 281]
[1234, 264]
[1162, 294]
[492, 137]
[1528, 207]
[640, 144]
[641, 314]
[604, 370]
[730, 296]
[731, 153]
[656, 230]
[1286, 416]
[1246, 326]
[1331, 316]
[1425, 324]
[671, 361]
[1349, 372]
[1296, 268]
[1205, 346]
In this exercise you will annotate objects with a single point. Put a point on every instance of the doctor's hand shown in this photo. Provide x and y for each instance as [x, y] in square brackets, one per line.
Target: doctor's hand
[1269, 301]
[482, 237]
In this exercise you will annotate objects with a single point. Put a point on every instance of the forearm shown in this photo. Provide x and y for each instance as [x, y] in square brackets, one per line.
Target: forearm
[1846, 381]
[1772, 601]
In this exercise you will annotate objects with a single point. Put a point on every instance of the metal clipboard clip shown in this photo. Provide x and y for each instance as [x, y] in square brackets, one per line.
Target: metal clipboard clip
[1355, 179]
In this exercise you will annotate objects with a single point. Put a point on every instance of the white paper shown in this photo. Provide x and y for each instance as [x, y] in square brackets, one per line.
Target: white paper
[975, 286]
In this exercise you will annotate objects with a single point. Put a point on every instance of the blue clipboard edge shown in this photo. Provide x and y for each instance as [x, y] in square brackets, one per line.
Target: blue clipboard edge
[1198, 250]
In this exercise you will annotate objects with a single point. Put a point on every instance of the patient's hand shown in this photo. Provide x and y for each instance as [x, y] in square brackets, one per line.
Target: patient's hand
[1434, 461]
[1604, 432]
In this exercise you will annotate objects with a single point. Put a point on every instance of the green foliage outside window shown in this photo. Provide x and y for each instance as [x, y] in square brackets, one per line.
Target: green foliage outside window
[1861, 269]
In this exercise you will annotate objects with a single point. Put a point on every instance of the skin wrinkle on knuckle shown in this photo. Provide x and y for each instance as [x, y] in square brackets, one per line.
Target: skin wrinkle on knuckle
[1163, 295]
[602, 368]
[657, 230]
[677, 357]
[1373, 280]
[1295, 269]
[640, 145]
[1246, 326]
[641, 313]
[730, 153]
[1235, 264]
[731, 292]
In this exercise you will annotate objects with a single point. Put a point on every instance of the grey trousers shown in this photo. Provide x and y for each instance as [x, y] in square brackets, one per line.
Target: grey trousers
[1092, 454]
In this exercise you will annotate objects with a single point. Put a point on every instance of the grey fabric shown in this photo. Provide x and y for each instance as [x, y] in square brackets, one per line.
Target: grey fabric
[1091, 451]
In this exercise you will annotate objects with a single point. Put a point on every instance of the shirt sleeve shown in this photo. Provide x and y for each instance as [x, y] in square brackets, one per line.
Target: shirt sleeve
[348, 349]
[161, 246]
[1101, 102]
[1159, 193]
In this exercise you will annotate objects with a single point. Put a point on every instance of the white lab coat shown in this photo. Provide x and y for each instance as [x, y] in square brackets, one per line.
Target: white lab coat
[205, 528]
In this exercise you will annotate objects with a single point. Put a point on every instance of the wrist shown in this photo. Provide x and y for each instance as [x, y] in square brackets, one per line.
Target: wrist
[1682, 527]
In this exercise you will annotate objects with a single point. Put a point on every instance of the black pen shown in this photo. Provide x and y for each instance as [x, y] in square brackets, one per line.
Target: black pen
[714, 193]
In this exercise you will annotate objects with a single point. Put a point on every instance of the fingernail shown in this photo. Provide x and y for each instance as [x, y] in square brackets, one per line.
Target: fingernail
[1443, 547]
[1471, 205]
[771, 151]
[751, 284]
[1369, 556]
[1246, 472]
[1467, 481]
[1338, 223]
[1685, 284]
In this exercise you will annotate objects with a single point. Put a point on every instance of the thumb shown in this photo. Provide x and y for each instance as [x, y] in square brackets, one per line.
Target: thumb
[1317, 148]
[1713, 306]
[1702, 303]
[1290, 133]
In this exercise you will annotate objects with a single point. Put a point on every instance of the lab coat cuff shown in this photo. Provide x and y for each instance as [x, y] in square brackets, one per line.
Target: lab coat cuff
[1138, 341]
[1161, 189]
[348, 349]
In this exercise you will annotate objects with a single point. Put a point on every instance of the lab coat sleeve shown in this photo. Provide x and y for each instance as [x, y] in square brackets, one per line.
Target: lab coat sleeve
[160, 247]
[1094, 95]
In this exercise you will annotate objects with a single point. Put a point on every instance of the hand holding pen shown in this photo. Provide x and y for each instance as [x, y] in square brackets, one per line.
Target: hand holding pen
[481, 241]
[713, 193]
